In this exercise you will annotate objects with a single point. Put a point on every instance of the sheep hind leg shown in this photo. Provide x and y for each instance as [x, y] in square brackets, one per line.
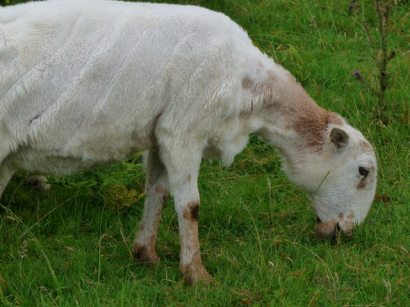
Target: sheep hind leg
[156, 192]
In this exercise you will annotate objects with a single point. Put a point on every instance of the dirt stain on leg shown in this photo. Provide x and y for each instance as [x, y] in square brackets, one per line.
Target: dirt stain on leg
[192, 212]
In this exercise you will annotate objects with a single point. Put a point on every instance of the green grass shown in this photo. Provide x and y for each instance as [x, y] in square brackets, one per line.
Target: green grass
[68, 246]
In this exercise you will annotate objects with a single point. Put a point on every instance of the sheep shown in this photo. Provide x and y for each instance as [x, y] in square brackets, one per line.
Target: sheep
[86, 83]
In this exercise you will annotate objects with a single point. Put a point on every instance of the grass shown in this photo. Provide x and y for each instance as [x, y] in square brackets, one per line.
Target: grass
[68, 246]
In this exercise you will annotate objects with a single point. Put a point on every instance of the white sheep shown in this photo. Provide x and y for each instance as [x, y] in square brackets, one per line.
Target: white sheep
[86, 83]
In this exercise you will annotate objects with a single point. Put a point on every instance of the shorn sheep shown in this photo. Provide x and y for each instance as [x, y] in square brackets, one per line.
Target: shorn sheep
[86, 83]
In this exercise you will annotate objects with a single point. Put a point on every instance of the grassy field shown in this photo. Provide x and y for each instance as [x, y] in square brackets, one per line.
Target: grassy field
[71, 246]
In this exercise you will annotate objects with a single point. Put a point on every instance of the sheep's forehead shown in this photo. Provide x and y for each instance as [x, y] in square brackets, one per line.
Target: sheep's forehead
[358, 141]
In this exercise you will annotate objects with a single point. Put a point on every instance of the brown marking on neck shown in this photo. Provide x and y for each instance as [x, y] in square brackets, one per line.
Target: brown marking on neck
[312, 122]
[283, 94]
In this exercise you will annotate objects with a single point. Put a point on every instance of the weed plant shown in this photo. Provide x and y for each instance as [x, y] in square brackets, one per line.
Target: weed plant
[381, 52]
[71, 245]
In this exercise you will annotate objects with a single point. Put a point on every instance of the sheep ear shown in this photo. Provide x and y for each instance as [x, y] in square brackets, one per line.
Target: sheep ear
[339, 138]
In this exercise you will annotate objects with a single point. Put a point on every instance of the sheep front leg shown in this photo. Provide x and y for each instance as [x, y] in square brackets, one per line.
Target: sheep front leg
[182, 165]
[156, 191]
[186, 199]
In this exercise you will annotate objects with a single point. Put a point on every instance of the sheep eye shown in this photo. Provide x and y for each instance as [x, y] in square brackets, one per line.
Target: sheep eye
[363, 171]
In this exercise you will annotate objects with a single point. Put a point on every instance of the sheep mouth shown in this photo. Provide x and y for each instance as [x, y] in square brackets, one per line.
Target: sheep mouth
[329, 229]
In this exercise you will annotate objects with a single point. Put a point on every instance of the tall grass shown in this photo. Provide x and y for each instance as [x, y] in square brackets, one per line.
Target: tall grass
[71, 245]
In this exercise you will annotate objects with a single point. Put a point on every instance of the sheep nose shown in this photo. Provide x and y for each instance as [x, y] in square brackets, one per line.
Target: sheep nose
[325, 232]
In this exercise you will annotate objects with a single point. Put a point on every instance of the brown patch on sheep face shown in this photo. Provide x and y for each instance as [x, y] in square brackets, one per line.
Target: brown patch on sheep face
[348, 227]
[351, 216]
[347, 224]
[192, 212]
[327, 229]
[366, 145]
[361, 185]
